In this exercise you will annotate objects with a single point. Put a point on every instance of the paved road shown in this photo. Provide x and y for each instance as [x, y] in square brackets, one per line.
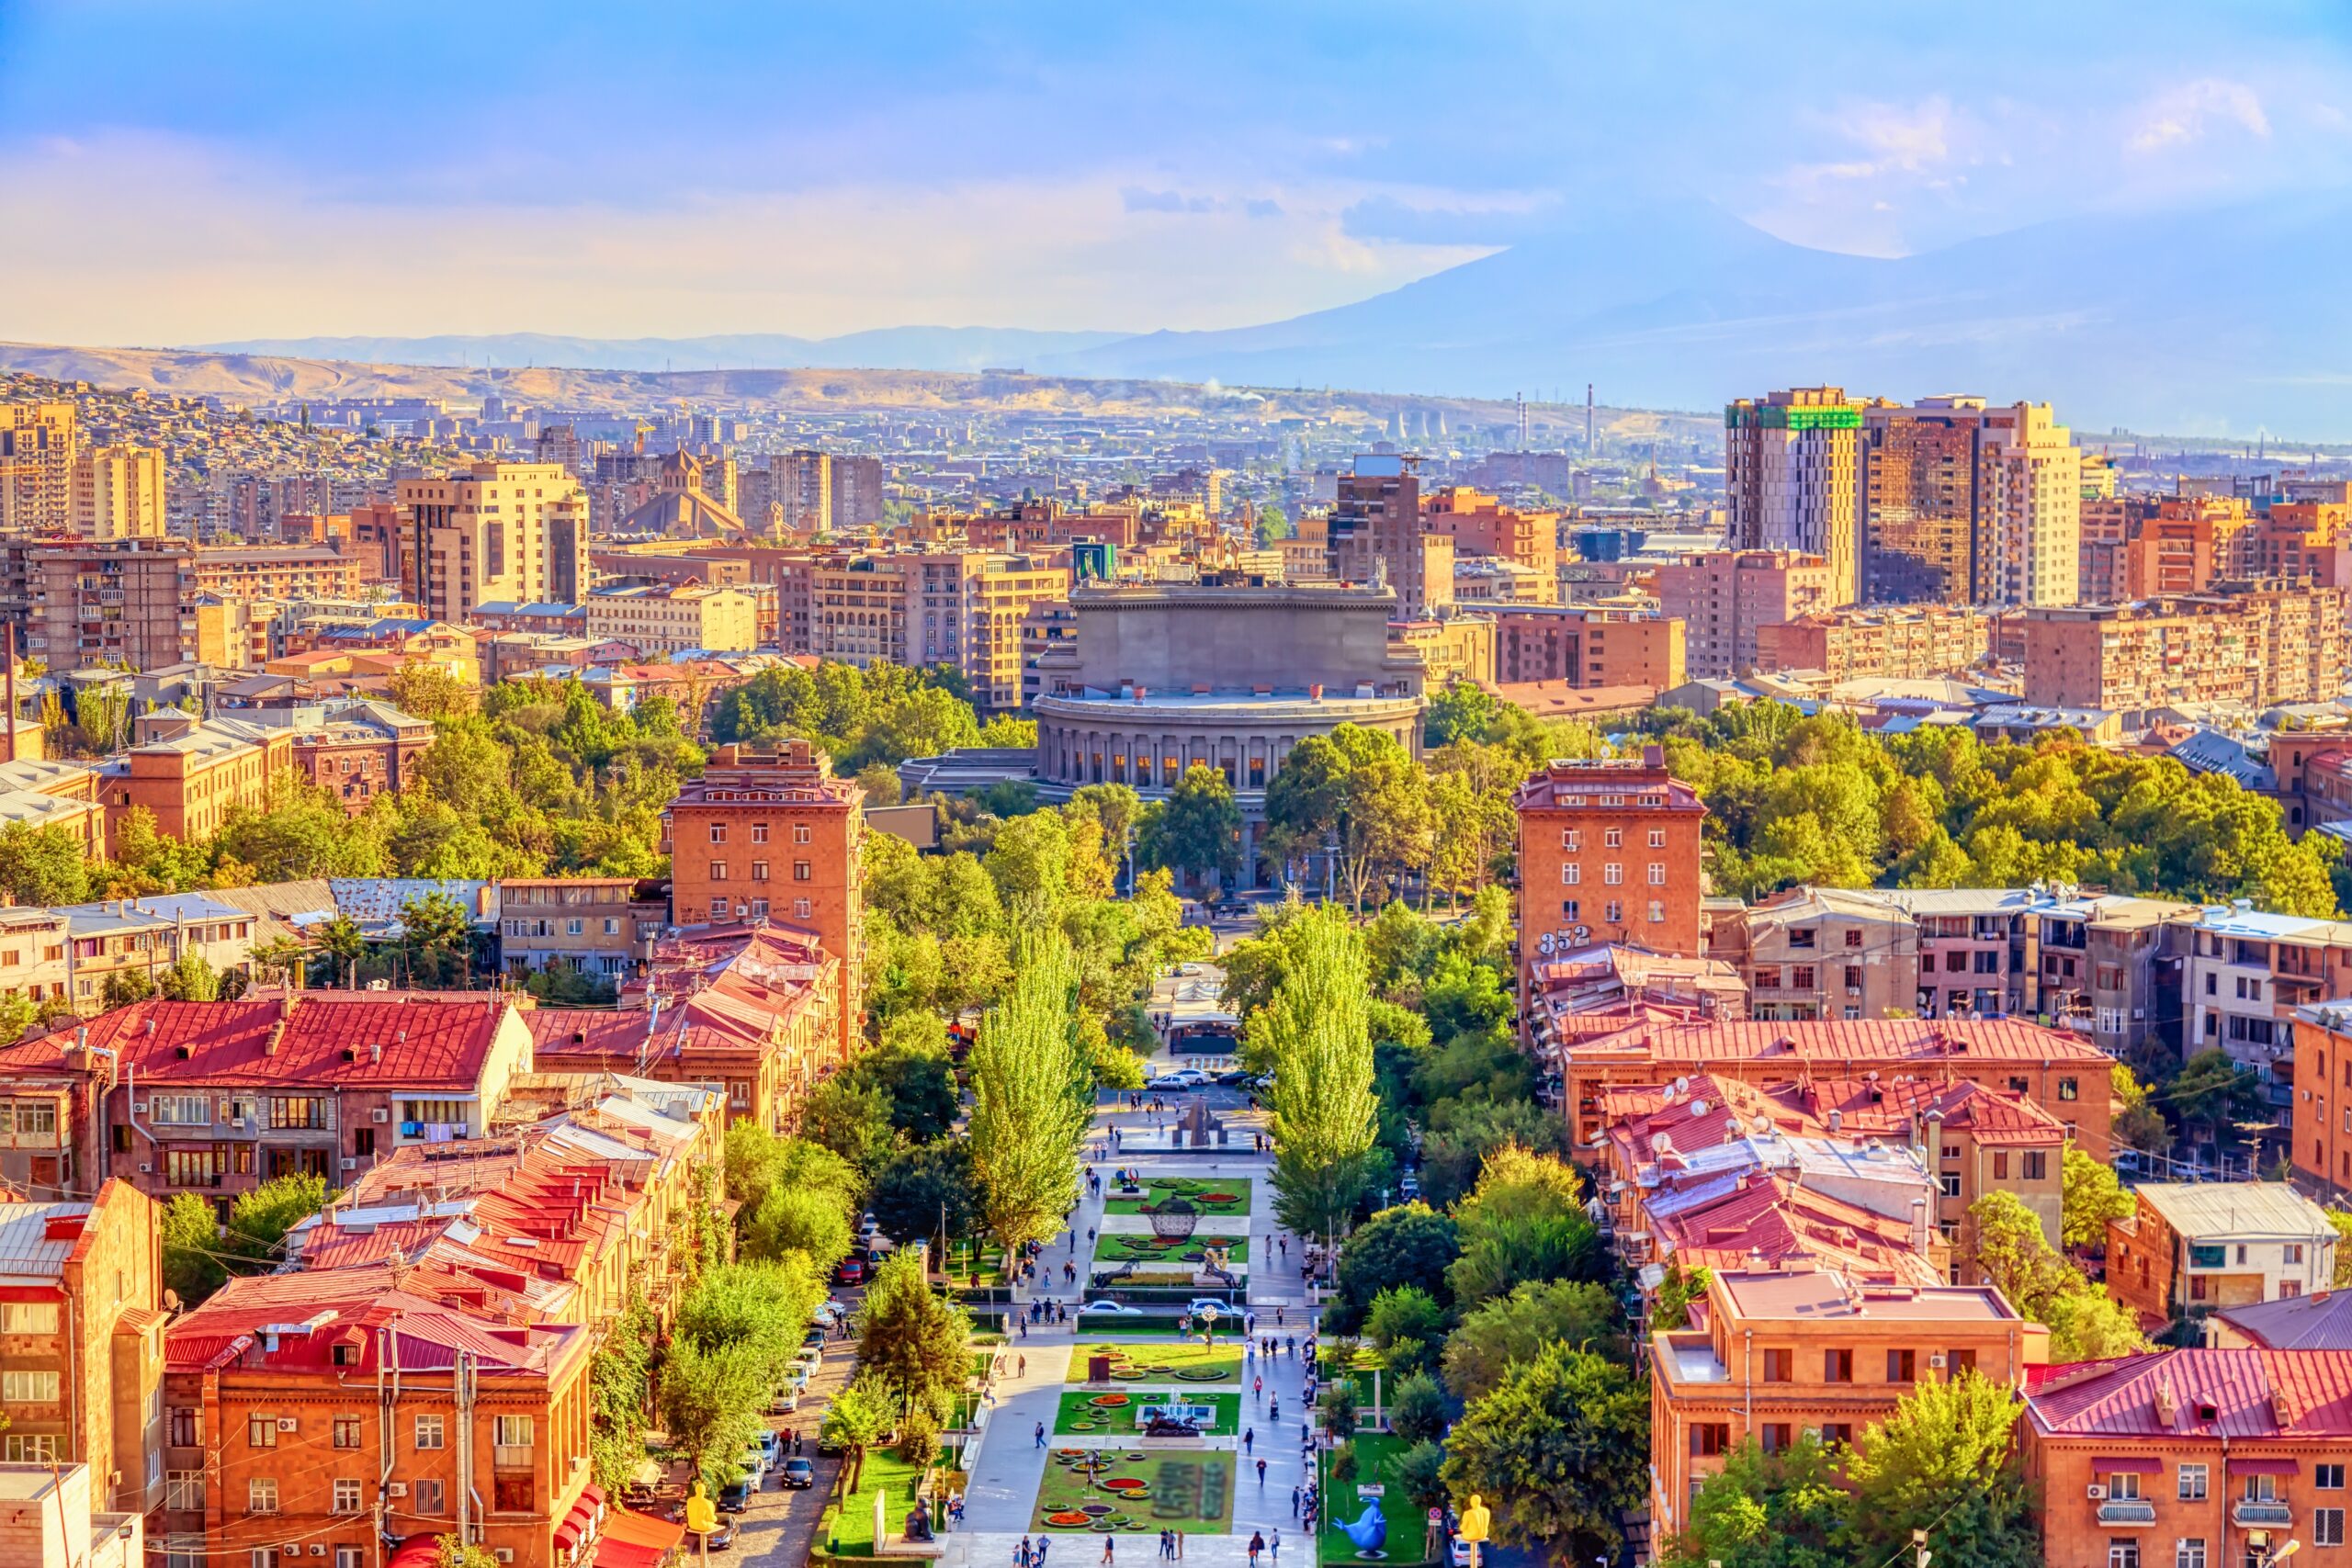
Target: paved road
[779, 1528]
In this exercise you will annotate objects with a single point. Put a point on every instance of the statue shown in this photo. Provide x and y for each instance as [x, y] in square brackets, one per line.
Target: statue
[1370, 1533]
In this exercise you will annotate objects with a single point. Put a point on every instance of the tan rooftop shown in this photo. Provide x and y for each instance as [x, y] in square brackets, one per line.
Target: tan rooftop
[1820, 1295]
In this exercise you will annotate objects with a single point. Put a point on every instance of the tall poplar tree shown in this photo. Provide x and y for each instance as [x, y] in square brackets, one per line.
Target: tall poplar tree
[1032, 1094]
[1316, 1036]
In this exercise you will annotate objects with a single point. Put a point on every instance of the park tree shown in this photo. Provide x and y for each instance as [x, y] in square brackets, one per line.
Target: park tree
[1559, 1450]
[1032, 1101]
[859, 1417]
[1356, 794]
[916, 1341]
[1406, 1325]
[1786, 1509]
[2005, 1243]
[2093, 1197]
[1497, 1334]
[1408, 1245]
[1197, 830]
[1945, 1461]
[42, 865]
[799, 1219]
[923, 1190]
[1315, 1037]
[850, 1114]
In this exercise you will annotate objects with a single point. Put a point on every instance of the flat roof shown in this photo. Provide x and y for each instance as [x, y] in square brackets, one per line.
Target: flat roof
[1821, 1295]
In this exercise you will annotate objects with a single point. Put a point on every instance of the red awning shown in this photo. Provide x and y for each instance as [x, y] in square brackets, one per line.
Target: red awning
[581, 1522]
[416, 1551]
[636, 1540]
[567, 1534]
[2266, 1467]
[2123, 1464]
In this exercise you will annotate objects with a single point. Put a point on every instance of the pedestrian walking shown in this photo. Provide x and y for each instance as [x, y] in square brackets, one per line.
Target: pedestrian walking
[1021, 1366]
[1278, 1318]
[1249, 1439]
[1274, 1544]
[1257, 1545]
[1282, 1242]
[1107, 1551]
[1262, 1475]
[1020, 1553]
[1041, 1443]
[1293, 1502]
[1043, 1542]
[1274, 1410]
[1258, 1387]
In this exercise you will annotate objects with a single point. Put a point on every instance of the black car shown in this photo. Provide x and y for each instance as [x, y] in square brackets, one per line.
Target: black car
[735, 1496]
[799, 1475]
[722, 1539]
[1237, 1078]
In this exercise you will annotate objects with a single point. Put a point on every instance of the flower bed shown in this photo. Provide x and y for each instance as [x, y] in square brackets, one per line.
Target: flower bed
[1188, 1490]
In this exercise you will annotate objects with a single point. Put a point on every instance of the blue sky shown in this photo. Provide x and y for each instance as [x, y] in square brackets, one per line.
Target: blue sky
[183, 172]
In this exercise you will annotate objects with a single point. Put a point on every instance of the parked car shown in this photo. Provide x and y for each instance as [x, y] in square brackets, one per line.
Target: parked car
[799, 1475]
[786, 1402]
[772, 1447]
[852, 1271]
[1460, 1553]
[1182, 1077]
[1237, 1078]
[1199, 1305]
[1105, 1306]
[811, 1355]
[813, 1340]
[735, 1496]
[722, 1539]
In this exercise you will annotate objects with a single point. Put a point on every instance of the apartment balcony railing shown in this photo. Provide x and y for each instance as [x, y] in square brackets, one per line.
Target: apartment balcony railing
[2261, 1513]
[2127, 1511]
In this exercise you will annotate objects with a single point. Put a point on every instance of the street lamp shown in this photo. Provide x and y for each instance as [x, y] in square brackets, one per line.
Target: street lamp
[2283, 1553]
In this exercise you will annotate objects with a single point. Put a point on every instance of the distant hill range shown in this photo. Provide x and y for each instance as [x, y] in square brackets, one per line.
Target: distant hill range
[2225, 321]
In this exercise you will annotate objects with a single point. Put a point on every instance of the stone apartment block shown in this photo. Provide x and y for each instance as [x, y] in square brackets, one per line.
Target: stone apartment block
[1480, 526]
[581, 923]
[1968, 501]
[1778, 1353]
[962, 609]
[494, 531]
[2252, 645]
[2194, 1248]
[37, 445]
[1790, 478]
[1377, 534]
[2244, 975]
[1589, 647]
[661, 619]
[118, 492]
[1899, 642]
[1820, 952]
[1724, 597]
[190, 773]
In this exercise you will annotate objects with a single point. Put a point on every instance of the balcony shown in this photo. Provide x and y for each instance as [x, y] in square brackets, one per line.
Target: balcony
[2261, 1513]
[2127, 1511]
[513, 1456]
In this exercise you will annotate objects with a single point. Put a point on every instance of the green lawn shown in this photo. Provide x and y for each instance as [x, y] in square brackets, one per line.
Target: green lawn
[1163, 1366]
[853, 1533]
[1152, 1249]
[1189, 1490]
[1375, 1456]
[967, 1259]
[1077, 1416]
[1158, 1191]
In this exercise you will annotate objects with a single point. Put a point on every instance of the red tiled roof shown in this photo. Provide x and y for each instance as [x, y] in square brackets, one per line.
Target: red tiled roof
[390, 1040]
[1693, 1116]
[2215, 1393]
[346, 1310]
[1784, 1220]
[1889, 1105]
[1834, 1041]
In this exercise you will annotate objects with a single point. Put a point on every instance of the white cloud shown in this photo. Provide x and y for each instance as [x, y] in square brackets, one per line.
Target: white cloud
[2184, 114]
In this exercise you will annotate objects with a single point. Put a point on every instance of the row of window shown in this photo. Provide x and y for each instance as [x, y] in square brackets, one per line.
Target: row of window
[570, 927]
[802, 871]
[262, 1430]
[744, 908]
[1612, 874]
[800, 834]
[1838, 1366]
[1614, 838]
[1613, 913]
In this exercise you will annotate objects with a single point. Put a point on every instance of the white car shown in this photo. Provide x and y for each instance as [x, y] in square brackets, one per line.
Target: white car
[1105, 1306]
[1202, 1306]
[1182, 1077]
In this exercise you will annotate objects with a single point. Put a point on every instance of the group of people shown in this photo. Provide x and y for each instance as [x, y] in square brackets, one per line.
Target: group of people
[1258, 1542]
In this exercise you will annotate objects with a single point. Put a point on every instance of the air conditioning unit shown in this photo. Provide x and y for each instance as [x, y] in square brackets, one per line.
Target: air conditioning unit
[383, 1114]
[139, 1107]
[2094, 1492]
[146, 1169]
[291, 1549]
[1938, 1359]
[317, 1550]
[286, 1424]
[503, 1553]
[396, 1489]
[350, 1163]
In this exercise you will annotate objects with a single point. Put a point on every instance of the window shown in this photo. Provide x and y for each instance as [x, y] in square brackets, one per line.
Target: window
[1572, 837]
[571, 927]
[190, 1167]
[298, 1111]
[2261, 1489]
[184, 1489]
[1658, 874]
[759, 832]
[32, 1447]
[347, 1496]
[1657, 838]
[1779, 1366]
[2123, 1488]
[1658, 913]
[264, 1557]
[803, 872]
[513, 1432]
[759, 871]
[1612, 874]
[29, 1388]
[1836, 1432]
[261, 1495]
[1901, 1366]
[2294, 1255]
[800, 834]
[428, 1432]
[1571, 875]
[1801, 979]
[187, 1426]
[1708, 1438]
[2067, 1091]
[350, 1557]
[1776, 1437]
[1959, 1361]
[1612, 837]
[1837, 1366]
[1854, 938]
[427, 1496]
[182, 1110]
[1568, 909]
[800, 910]
[1949, 1183]
[27, 1317]
[510, 1494]
[2000, 1165]
[2123, 1553]
[1612, 912]
[718, 871]
[2037, 1165]
[346, 1431]
[718, 832]
[2327, 1527]
[2327, 1477]
[2189, 1554]
[2208, 1256]
[261, 1432]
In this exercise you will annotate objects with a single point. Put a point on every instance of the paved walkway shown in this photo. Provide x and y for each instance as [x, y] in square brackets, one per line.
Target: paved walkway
[1000, 1503]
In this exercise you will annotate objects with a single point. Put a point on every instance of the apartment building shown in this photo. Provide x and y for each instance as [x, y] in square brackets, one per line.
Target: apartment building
[37, 443]
[1913, 642]
[1790, 475]
[1777, 1354]
[215, 1097]
[145, 936]
[2107, 524]
[803, 486]
[760, 1012]
[366, 750]
[317, 1408]
[2244, 975]
[661, 619]
[81, 1340]
[2189, 545]
[961, 609]
[2056, 1070]
[1588, 647]
[771, 834]
[2255, 644]
[118, 492]
[192, 776]
[513, 531]
[2199, 1246]
[2322, 1144]
[2306, 540]
[2189, 1459]
[1377, 534]
[1615, 845]
[299, 573]
[49, 1522]
[1965, 501]
[1822, 953]
[1483, 527]
[581, 923]
[119, 602]
[1724, 597]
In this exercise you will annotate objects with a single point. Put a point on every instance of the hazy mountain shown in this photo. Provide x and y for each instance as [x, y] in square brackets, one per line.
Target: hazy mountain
[900, 349]
[2222, 322]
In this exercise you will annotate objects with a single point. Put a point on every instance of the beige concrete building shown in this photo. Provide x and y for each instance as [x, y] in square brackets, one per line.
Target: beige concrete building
[660, 619]
[1377, 536]
[1909, 643]
[960, 608]
[1724, 597]
[118, 492]
[1968, 501]
[37, 465]
[513, 531]
[114, 603]
[2253, 644]
[1822, 953]
[1790, 473]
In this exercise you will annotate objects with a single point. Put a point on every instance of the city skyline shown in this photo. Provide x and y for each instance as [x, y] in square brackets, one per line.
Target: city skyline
[730, 172]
